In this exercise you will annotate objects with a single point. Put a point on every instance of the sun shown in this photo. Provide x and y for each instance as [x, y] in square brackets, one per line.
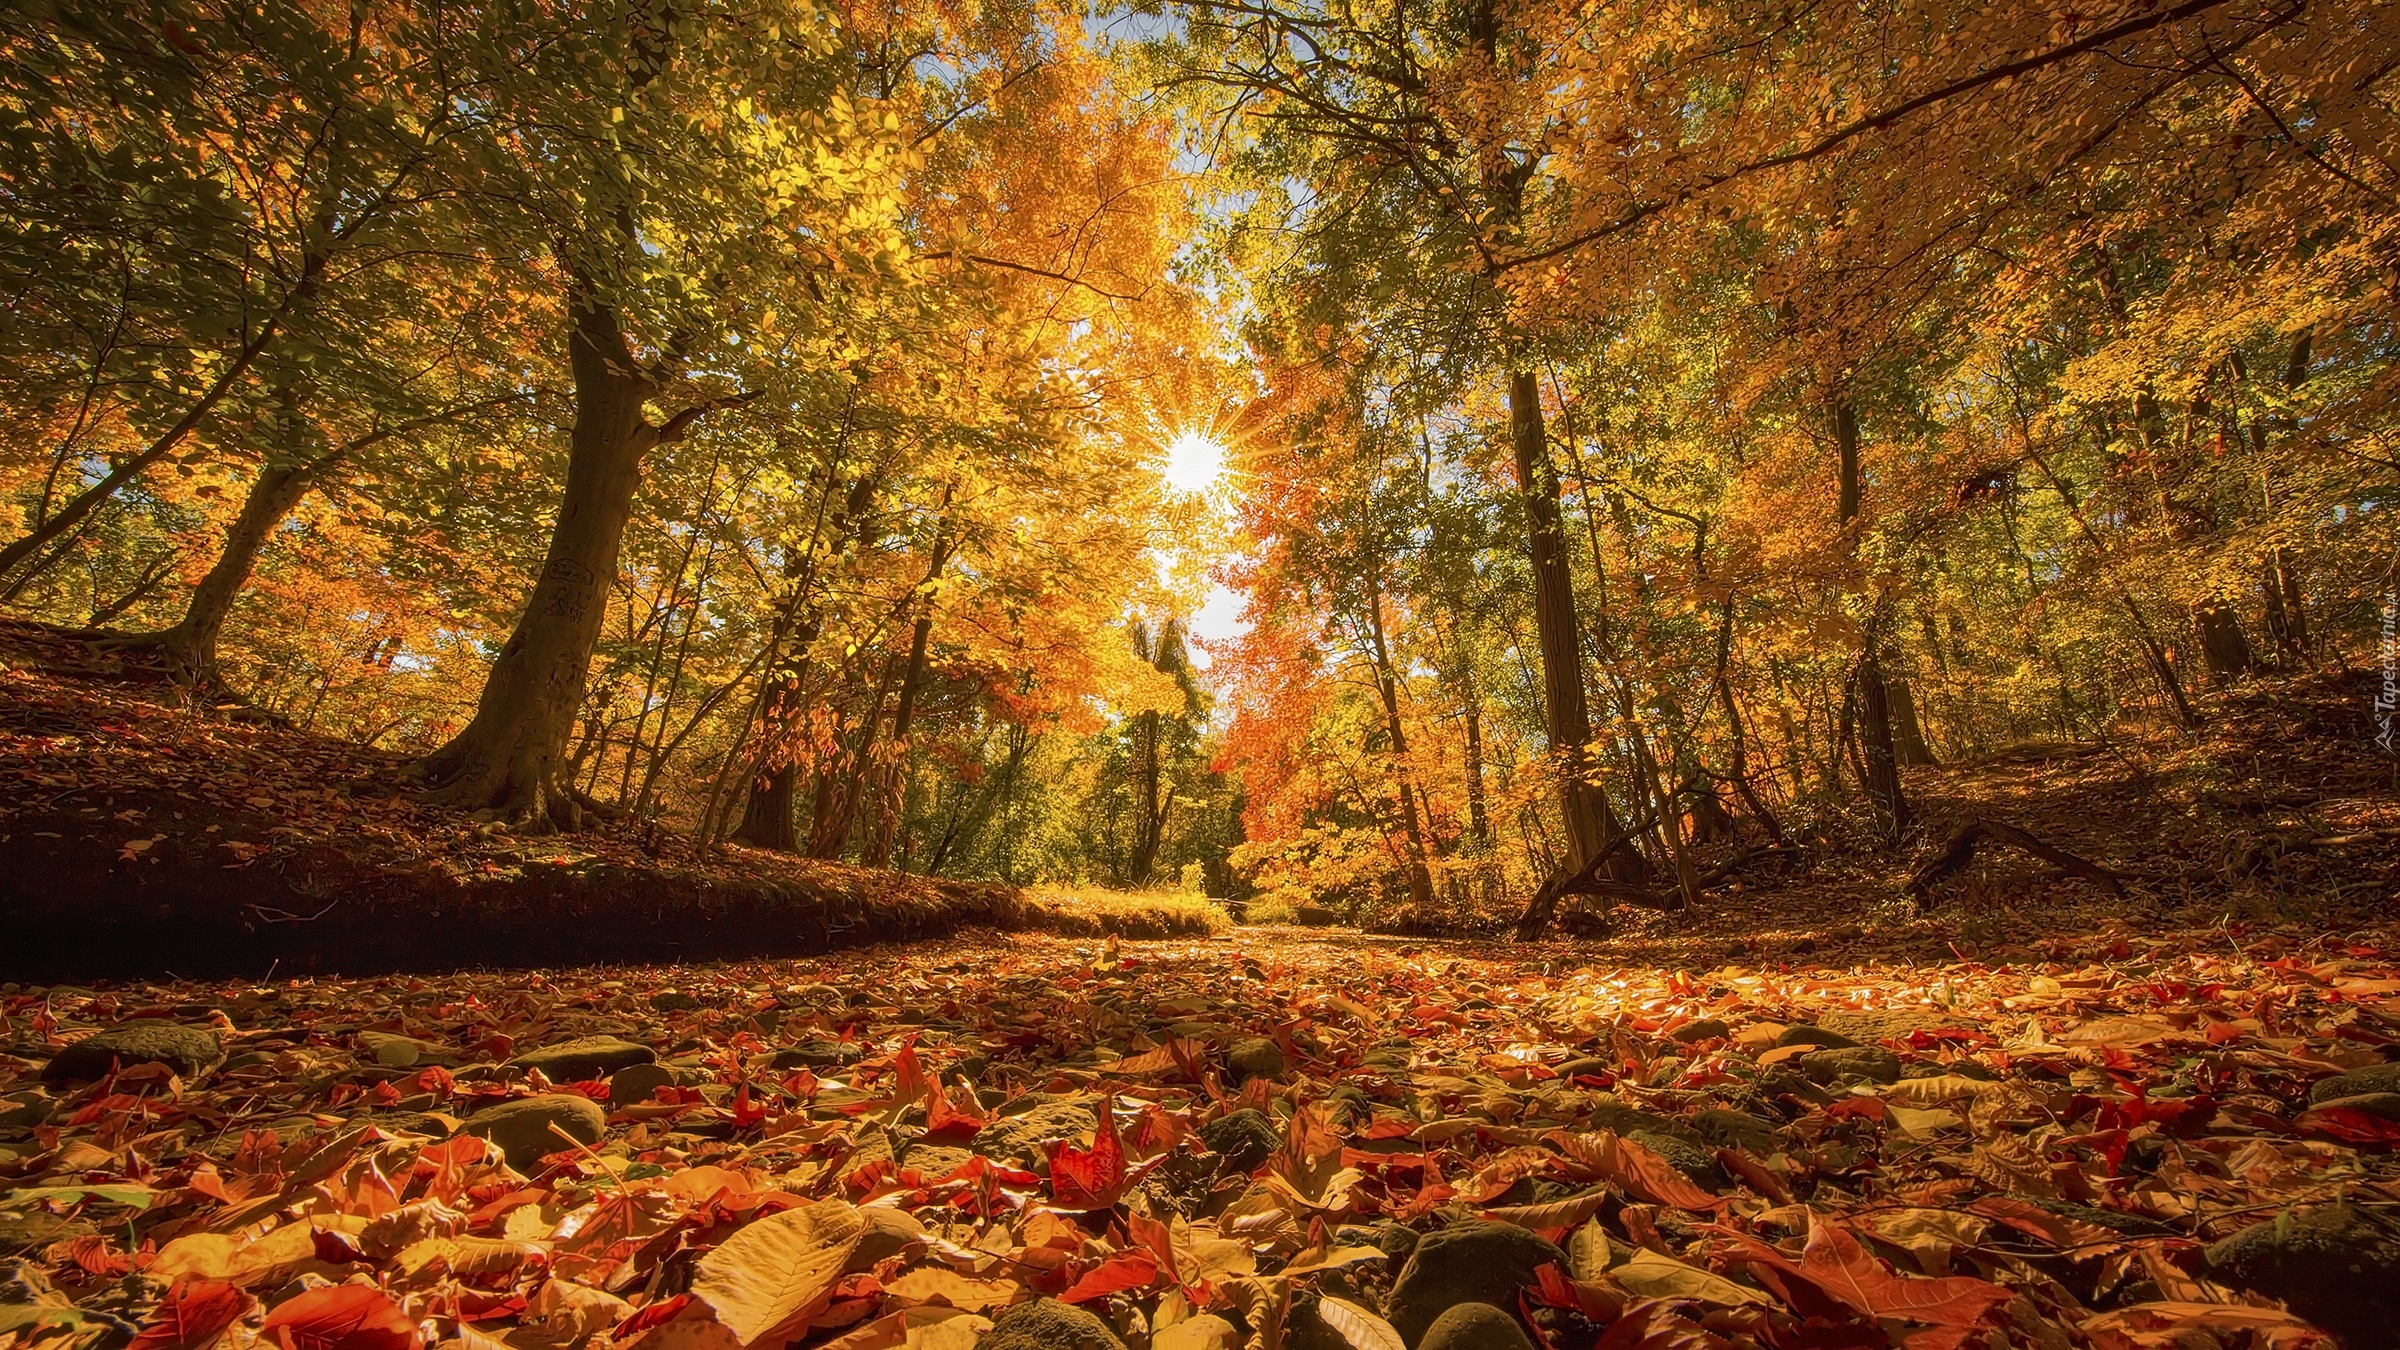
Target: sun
[1195, 461]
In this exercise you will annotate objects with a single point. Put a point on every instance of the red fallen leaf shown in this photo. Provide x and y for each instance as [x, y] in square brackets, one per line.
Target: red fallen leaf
[2069, 1235]
[665, 1310]
[945, 1121]
[1754, 1174]
[1859, 1108]
[1090, 1178]
[908, 1081]
[93, 1253]
[1603, 1156]
[1839, 1265]
[1159, 1130]
[1594, 1301]
[334, 1249]
[340, 1317]
[1653, 1324]
[192, 1316]
[493, 1209]
[480, 1305]
[1126, 1270]
[2350, 1126]
[746, 1113]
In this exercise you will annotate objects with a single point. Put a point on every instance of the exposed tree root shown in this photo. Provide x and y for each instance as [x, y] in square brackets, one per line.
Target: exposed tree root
[1960, 849]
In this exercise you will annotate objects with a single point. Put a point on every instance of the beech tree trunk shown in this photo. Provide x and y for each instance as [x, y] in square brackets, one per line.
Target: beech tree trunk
[191, 645]
[1908, 733]
[2286, 607]
[1387, 689]
[891, 798]
[508, 759]
[1880, 762]
[767, 815]
[1591, 826]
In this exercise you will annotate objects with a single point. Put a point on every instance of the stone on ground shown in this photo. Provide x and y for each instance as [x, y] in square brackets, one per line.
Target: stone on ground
[1243, 1137]
[1256, 1057]
[1021, 1136]
[636, 1083]
[521, 1128]
[1476, 1262]
[584, 1058]
[1047, 1324]
[2337, 1266]
[2356, 1083]
[1475, 1326]
[189, 1051]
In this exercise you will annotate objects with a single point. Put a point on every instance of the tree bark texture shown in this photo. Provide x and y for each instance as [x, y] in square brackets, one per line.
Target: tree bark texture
[1880, 762]
[508, 759]
[1590, 824]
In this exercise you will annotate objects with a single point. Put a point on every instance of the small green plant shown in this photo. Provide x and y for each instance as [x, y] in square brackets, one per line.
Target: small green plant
[1092, 911]
[1277, 910]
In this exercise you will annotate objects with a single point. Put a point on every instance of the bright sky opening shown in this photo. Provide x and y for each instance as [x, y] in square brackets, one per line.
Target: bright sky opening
[1195, 461]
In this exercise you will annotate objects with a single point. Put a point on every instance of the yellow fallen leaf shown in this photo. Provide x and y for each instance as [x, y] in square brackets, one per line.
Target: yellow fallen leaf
[959, 1291]
[1205, 1332]
[770, 1278]
[1655, 1276]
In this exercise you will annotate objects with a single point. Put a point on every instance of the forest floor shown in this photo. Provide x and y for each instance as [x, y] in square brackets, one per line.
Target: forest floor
[2281, 810]
[2133, 1137]
[140, 836]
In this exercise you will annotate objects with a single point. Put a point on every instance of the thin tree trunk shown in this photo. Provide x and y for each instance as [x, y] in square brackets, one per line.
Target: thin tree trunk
[841, 786]
[90, 499]
[1387, 688]
[1687, 881]
[1881, 763]
[191, 645]
[1739, 770]
[767, 815]
[2154, 653]
[892, 799]
[2222, 643]
[1590, 825]
[1908, 732]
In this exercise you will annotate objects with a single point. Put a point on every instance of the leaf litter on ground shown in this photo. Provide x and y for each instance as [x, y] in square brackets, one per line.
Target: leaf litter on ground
[1230, 1142]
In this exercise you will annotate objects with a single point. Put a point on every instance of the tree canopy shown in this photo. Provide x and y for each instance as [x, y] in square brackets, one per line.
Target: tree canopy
[1651, 430]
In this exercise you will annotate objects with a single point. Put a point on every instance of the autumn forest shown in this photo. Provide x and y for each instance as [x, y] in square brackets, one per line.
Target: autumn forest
[1684, 631]
[1618, 428]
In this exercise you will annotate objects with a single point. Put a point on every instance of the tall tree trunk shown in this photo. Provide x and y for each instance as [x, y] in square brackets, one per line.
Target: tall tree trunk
[1908, 731]
[2286, 604]
[768, 815]
[1387, 688]
[842, 785]
[1739, 769]
[1591, 826]
[508, 759]
[891, 799]
[1880, 761]
[2286, 607]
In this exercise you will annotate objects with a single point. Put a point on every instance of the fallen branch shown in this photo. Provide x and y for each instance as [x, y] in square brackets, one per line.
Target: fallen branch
[1960, 849]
